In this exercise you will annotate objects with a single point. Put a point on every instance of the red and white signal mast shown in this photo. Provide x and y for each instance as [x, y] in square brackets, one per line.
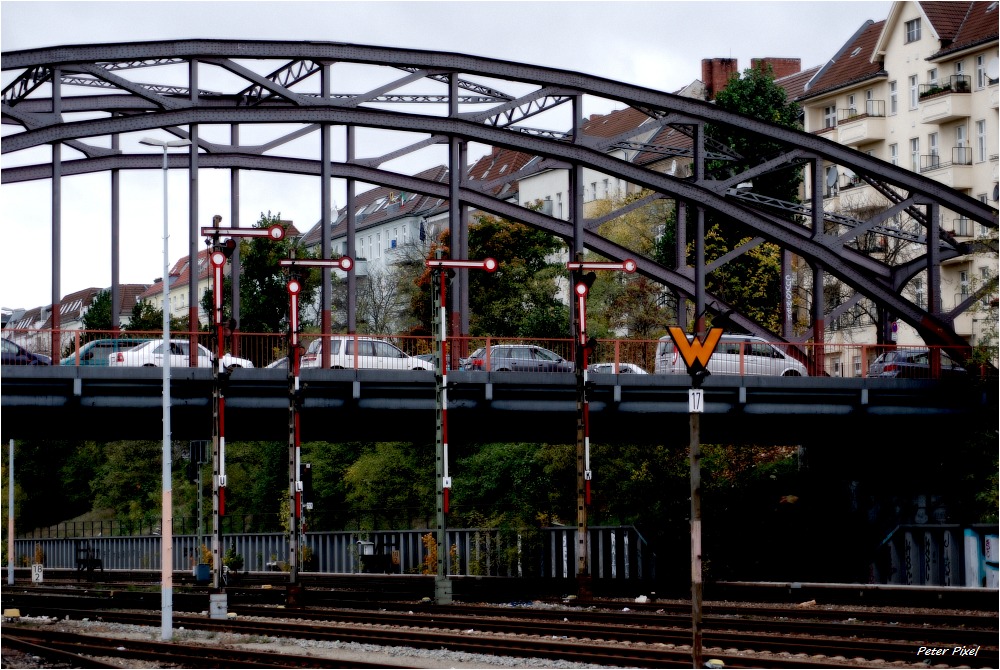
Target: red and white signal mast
[295, 465]
[581, 287]
[219, 254]
[443, 269]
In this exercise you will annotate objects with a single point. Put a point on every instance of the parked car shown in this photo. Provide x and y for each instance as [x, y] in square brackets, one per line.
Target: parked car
[912, 364]
[623, 368]
[372, 354]
[98, 352]
[519, 358]
[151, 353]
[734, 355]
[15, 354]
[279, 363]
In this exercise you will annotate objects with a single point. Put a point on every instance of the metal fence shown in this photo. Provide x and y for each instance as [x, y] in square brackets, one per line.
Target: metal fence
[614, 552]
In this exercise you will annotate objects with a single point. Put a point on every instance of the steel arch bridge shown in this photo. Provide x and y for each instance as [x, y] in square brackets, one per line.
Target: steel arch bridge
[447, 101]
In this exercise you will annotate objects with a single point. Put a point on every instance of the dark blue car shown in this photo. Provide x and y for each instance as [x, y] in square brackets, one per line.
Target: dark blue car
[15, 354]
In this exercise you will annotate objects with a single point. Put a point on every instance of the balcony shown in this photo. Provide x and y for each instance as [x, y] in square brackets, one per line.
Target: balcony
[955, 173]
[861, 126]
[946, 101]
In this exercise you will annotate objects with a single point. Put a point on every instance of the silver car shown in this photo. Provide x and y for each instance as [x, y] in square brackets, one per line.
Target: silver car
[372, 353]
[152, 353]
[519, 358]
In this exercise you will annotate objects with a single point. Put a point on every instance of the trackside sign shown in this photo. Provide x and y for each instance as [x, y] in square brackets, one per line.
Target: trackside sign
[695, 352]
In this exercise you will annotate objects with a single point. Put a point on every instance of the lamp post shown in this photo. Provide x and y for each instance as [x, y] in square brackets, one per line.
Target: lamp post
[167, 523]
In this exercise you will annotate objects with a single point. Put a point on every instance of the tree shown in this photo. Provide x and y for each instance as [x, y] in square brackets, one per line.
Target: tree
[751, 283]
[98, 315]
[147, 319]
[390, 484]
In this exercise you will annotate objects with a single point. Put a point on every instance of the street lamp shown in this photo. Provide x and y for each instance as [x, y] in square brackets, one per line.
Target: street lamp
[167, 523]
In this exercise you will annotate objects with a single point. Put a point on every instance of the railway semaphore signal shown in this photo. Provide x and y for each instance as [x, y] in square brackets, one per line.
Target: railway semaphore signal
[220, 252]
[441, 268]
[581, 287]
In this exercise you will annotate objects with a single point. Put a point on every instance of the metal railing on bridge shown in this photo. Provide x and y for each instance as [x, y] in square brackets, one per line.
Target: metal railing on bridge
[394, 352]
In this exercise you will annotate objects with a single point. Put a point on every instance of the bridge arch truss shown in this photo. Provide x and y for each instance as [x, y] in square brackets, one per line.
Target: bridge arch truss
[85, 102]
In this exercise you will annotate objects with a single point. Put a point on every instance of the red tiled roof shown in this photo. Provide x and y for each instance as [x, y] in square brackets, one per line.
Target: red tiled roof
[498, 168]
[959, 30]
[946, 17]
[795, 84]
[615, 123]
[128, 295]
[72, 306]
[852, 64]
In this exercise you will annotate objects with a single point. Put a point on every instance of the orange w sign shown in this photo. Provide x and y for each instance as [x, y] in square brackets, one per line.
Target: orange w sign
[696, 352]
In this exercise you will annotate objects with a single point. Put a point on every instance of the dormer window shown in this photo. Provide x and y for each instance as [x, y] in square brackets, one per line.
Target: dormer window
[912, 30]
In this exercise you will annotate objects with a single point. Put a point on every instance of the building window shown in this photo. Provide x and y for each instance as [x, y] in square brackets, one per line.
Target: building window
[893, 98]
[856, 360]
[963, 282]
[918, 292]
[981, 140]
[851, 104]
[959, 67]
[932, 76]
[915, 154]
[981, 71]
[607, 189]
[912, 30]
[830, 116]
[962, 156]
[378, 245]
[984, 278]
[932, 141]
[559, 206]
[894, 154]
[914, 97]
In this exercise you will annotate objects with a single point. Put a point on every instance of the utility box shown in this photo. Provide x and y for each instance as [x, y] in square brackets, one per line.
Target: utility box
[202, 573]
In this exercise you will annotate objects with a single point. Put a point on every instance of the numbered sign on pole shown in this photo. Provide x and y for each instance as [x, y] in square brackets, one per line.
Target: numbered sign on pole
[696, 401]
[37, 573]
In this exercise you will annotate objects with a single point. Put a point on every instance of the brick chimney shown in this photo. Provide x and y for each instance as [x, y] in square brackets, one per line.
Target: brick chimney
[782, 67]
[715, 74]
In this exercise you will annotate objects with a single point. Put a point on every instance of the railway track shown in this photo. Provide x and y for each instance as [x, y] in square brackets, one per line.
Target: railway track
[613, 638]
[84, 651]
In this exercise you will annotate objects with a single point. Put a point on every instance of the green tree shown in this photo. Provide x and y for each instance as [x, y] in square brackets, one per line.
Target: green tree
[390, 484]
[751, 282]
[98, 315]
[146, 318]
[129, 481]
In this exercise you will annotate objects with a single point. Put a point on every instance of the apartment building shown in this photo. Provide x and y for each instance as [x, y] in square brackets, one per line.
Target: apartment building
[919, 90]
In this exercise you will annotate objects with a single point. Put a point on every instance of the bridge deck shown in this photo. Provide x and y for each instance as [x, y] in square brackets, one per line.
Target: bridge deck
[343, 405]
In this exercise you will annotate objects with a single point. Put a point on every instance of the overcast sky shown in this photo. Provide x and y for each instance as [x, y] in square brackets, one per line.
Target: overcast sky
[654, 44]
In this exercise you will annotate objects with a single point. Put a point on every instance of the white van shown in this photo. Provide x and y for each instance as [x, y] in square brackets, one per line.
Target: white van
[734, 355]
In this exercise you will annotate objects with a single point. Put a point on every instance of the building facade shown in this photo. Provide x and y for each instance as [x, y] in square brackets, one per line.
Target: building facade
[918, 90]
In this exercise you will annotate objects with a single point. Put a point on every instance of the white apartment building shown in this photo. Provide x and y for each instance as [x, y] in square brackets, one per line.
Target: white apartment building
[919, 90]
